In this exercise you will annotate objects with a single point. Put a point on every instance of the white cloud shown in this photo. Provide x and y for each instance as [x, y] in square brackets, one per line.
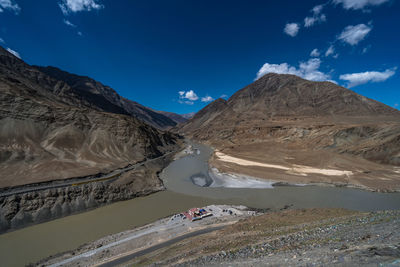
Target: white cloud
[224, 96]
[185, 102]
[67, 22]
[73, 6]
[315, 53]
[330, 51]
[355, 79]
[15, 53]
[189, 95]
[366, 49]
[207, 99]
[291, 29]
[317, 17]
[9, 5]
[309, 21]
[2, 41]
[359, 4]
[80, 33]
[354, 34]
[307, 70]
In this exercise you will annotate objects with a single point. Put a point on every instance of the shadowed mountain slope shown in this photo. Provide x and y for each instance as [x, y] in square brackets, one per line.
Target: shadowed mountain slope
[101, 97]
[51, 130]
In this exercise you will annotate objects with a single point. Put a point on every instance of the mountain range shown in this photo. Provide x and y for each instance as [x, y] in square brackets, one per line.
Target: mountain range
[56, 125]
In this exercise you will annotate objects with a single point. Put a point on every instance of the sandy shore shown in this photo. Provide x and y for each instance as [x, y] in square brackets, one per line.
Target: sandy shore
[295, 169]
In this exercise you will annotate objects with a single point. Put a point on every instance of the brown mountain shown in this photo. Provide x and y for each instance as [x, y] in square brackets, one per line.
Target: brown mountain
[101, 97]
[288, 120]
[55, 127]
[288, 97]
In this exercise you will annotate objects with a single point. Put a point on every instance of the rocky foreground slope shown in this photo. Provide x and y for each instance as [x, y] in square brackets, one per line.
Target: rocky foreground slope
[313, 237]
[286, 120]
[50, 131]
[306, 237]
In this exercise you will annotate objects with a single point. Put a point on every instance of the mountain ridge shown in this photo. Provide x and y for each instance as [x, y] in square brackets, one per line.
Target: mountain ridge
[105, 98]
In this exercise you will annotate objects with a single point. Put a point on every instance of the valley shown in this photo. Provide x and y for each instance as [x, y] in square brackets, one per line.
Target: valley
[82, 167]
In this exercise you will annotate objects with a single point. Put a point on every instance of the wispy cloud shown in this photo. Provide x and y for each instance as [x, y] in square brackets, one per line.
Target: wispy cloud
[315, 53]
[355, 79]
[317, 16]
[2, 41]
[308, 70]
[330, 51]
[72, 6]
[359, 4]
[9, 5]
[291, 29]
[67, 22]
[354, 34]
[207, 99]
[15, 53]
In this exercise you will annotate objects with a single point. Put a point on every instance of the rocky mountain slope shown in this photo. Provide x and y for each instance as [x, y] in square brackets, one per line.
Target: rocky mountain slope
[279, 116]
[49, 130]
[101, 97]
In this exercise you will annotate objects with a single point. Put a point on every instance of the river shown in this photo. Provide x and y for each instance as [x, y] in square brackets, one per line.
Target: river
[33, 243]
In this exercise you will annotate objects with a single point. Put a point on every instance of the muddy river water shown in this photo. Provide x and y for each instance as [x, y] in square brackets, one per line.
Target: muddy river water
[189, 184]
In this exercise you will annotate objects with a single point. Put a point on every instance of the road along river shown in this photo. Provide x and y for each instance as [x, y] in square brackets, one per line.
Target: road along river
[180, 177]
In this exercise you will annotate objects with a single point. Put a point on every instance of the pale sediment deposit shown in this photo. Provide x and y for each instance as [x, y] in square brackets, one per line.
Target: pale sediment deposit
[323, 169]
[295, 169]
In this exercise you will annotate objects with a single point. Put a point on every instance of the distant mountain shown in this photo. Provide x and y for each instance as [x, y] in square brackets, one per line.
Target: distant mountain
[188, 115]
[101, 97]
[279, 106]
[61, 125]
[173, 116]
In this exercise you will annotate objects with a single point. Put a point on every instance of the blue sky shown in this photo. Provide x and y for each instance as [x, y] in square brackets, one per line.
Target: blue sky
[171, 55]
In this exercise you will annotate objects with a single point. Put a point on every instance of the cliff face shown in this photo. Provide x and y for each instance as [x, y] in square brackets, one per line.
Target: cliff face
[288, 110]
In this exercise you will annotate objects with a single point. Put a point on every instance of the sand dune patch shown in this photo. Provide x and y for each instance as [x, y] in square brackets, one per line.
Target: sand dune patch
[295, 169]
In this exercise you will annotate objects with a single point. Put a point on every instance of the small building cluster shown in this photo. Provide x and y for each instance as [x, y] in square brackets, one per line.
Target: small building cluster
[196, 214]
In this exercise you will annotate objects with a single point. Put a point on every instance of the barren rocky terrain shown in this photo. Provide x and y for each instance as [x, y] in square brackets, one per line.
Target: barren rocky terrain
[309, 237]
